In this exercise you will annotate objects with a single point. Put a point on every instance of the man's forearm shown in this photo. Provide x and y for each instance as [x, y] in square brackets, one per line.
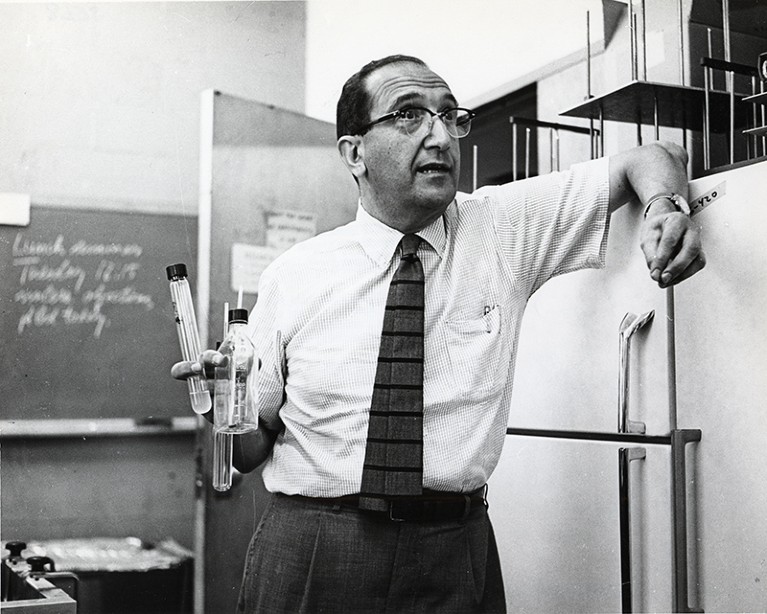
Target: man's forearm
[645, 171]
[250, 450]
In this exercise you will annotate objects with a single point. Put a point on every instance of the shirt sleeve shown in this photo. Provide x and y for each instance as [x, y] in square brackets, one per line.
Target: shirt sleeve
[270, 349]
[553, 224]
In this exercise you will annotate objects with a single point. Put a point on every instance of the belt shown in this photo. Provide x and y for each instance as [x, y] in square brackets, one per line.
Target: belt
[432, 506]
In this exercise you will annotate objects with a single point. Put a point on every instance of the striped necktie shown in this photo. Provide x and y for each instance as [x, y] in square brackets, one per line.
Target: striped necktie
[394, 454]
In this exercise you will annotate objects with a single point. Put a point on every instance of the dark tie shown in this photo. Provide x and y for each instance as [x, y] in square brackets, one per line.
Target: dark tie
[394, 454]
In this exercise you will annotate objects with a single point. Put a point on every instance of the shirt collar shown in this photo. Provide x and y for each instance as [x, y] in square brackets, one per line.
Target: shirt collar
[380, 241]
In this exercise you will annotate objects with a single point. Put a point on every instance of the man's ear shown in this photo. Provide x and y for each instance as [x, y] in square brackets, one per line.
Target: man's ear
[352, 150]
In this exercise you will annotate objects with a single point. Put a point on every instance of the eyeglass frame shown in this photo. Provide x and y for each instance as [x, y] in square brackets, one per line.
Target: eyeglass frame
[432, 114]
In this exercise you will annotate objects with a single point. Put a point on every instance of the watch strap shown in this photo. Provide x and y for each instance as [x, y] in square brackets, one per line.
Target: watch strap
[679, 202]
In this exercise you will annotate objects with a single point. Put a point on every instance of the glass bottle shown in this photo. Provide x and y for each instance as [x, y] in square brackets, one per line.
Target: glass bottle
[236, 405]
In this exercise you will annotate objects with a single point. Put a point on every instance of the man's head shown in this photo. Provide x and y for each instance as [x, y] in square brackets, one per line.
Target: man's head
[407, 171]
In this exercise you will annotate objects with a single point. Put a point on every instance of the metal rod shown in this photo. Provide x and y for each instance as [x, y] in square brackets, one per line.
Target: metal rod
[588, 54]
[706, 118]
[527, 153]
[551, 150]
[625, 438]
[474, 170]
[730, 75]
[671, 356]
[601, 131]
[633, 40]
[681, 42]
[514, 152]
[556, 142]
[625, 456]
[679, 441]
[644, 41]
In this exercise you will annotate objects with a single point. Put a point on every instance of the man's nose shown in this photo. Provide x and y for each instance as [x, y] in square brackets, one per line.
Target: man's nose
[438, 135]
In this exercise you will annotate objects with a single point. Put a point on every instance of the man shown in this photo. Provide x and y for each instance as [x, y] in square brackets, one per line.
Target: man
[352, 526]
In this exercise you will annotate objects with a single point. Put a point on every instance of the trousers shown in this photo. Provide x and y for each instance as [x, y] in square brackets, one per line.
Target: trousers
[307, 557]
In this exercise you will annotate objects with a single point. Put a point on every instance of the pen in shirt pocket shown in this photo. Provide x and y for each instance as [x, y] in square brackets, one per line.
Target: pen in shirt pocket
[486, 311]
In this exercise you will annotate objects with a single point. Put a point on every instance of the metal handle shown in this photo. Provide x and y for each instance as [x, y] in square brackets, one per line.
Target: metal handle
[629, 325]
[625, 456]
[679, 439]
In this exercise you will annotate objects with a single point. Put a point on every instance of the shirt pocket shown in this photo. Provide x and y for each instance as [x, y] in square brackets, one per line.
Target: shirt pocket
[476, 347]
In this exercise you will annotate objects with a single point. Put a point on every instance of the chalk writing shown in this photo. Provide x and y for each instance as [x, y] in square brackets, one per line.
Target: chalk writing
[77, 284]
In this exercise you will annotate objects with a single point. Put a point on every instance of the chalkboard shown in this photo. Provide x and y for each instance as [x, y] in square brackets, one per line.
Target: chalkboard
[85, 314]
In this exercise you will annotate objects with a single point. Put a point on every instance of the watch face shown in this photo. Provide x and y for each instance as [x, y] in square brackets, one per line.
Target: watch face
[763, 66]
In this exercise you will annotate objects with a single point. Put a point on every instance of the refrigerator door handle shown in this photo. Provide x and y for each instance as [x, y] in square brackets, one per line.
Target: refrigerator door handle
[679, 440]
[628, 326]
[625, 456]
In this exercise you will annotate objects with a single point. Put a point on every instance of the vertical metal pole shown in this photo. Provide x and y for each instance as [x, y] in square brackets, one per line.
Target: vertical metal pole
[754, 118]
[513, 150]
[588, 54]
[551, 149]
[671, 356]
[474, 170]
[601, 131]
[681, 42]
[706, 118]
[527, 153]
[730, 75]
[644, 41]
[556, 142]
[592, 144]
[632, 40]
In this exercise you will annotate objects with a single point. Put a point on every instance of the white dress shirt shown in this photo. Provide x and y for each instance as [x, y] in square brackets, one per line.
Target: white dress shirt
[317, 327]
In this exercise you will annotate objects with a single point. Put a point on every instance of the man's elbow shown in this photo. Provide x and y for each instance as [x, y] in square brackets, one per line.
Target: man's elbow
[676, 152]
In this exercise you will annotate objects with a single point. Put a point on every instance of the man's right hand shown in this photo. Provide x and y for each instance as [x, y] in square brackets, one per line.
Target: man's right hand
[207, 363]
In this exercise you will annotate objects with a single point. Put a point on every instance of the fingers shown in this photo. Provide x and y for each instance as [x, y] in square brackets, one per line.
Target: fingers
[208, 361]
[185, 369]
[672, 248]
[696, 265]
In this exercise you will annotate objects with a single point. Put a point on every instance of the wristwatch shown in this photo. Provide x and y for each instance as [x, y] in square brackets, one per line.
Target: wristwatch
[679, 202]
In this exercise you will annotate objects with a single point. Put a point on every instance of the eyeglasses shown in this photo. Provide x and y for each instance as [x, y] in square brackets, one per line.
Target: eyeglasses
[410, 120]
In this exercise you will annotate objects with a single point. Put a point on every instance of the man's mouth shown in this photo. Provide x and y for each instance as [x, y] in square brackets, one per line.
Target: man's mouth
[433, 168]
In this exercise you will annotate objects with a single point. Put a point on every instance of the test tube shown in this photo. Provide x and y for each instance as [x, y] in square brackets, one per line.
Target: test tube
[222, 444]
[222, 461]
[188, 335]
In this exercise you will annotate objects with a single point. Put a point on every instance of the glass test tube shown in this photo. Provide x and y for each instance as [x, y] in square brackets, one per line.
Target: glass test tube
[188, 335]
[222, 461]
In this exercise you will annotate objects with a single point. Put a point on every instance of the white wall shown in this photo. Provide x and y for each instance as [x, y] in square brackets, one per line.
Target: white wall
[99, 102]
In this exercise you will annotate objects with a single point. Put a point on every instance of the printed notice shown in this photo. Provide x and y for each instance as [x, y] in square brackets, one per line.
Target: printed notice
[286, 228]
[248, 262]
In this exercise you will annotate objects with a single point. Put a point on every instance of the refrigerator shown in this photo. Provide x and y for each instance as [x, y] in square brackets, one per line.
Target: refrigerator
[632, 477]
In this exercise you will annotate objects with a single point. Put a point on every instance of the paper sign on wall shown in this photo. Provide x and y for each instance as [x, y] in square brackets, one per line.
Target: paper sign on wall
[14, 209]
[248, 262]
[283, 230]
[286, 228]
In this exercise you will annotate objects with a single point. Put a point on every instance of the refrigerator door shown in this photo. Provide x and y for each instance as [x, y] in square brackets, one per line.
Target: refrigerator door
[568, 364]
[722, 357]
[556, 514]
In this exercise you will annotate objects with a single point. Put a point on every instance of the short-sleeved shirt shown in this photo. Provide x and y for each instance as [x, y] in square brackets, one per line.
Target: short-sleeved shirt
[317, 327]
